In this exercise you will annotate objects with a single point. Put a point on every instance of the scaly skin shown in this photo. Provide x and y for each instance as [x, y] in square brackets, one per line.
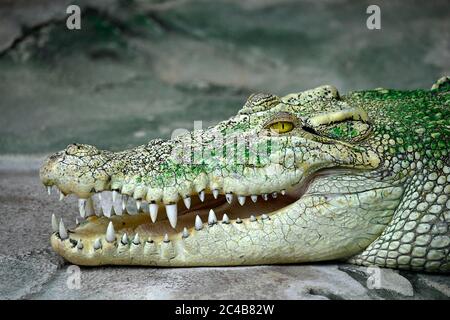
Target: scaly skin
[366, 178]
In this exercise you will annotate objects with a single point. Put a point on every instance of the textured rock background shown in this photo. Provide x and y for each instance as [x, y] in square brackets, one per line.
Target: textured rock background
[140, 69]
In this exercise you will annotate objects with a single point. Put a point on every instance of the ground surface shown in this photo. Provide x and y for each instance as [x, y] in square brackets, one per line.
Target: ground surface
[141, 69]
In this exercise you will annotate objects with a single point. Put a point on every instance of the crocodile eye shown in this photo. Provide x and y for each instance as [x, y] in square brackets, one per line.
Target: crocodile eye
[281, 127]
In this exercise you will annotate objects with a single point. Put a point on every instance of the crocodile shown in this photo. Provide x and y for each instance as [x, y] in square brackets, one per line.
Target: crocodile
[310, 176]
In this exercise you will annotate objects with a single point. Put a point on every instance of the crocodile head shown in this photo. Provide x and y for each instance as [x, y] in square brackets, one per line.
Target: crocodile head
[310, 176]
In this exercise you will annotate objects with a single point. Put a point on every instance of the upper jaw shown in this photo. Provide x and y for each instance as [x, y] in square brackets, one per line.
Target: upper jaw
[153, 174]
[93, 172]
[151, 200]
[130, 178]
[163, 171]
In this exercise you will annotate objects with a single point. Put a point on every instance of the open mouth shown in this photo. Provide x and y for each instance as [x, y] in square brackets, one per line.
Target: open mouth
[110, 216]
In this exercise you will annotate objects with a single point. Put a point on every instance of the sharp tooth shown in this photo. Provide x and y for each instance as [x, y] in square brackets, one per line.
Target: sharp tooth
[252, 218]
[49, 190]
[118, 207]
[138, 205]
[97, 244]
[274, 195]
[124, 239]
[254, 197]
[80, 245]
[241, 200]
[238, 220]
[62, 230]
[55, 226]
[100, 211]
[229, 197]
[185, 233]
[283, 192]
[124, 202]
[187, 202]
[90, 211]
[136, 240]
[265, 216]
[225, 219]
[110, 233]
[201, 195]
[106, 208]
[265, 196]
[77, 222]
[114, 195]
[198, 223]
[61, 196]
[113, 211]
[166, 238]
[153, 208]
[172, 214]
[215, 193]
[212, 219]
[82, 207]
[132, 208]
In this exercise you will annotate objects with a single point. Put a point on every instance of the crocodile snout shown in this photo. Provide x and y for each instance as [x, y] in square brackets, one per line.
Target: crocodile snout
[78, 169]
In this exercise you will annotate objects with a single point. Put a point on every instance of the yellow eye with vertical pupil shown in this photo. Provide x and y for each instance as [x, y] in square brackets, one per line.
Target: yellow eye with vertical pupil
[281, 126]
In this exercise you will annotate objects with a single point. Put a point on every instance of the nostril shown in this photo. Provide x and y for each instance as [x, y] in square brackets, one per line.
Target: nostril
[80, 150]
[54, 156]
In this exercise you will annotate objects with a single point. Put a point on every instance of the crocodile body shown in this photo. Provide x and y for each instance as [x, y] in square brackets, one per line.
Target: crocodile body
[311, 176]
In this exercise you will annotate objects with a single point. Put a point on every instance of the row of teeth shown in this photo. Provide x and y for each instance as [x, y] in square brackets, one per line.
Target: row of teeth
[110, 235]
[86, 206]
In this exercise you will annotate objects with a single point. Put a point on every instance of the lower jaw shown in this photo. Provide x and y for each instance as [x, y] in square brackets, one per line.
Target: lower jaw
[172, 254]
[220, 244]
[161, 245]
[205, 247]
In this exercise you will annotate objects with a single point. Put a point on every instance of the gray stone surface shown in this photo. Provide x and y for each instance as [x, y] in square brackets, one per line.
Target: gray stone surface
[140, 69]
[29, 269]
